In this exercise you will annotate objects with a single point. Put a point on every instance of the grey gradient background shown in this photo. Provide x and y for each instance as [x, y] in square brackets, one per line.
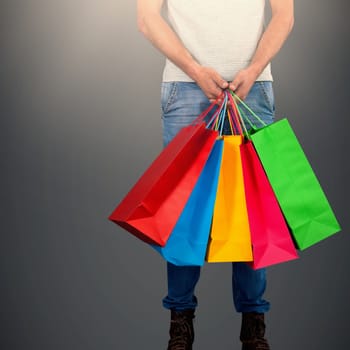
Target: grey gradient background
[80, 122]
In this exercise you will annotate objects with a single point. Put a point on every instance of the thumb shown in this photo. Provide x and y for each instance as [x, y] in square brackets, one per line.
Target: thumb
[235, 84]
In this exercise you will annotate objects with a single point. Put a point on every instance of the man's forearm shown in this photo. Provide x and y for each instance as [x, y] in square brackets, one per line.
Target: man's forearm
[272, 40]
[270, 43]
[159, 33]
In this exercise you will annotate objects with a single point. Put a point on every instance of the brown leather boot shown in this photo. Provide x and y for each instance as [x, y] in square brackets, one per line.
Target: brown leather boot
[181, 330]
[253, 332]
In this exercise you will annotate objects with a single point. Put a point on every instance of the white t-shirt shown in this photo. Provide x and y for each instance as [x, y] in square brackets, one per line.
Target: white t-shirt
[222, 34]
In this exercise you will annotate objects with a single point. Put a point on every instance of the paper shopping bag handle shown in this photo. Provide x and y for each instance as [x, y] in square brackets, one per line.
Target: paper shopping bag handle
[228, 109]
[240, 111]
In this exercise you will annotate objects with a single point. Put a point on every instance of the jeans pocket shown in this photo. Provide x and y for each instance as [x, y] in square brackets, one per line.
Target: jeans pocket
[168, 95]
[267, 92]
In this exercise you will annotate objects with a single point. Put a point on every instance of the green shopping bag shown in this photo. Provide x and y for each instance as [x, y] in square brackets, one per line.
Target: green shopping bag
[300, 196]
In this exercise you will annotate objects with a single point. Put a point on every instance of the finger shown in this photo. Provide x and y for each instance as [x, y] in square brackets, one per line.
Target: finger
[236, 83]
[215, 92]
[218, 102]
[220, 82]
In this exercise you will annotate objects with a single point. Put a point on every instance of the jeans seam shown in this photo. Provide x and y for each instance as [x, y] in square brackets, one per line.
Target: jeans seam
[171, 97]
[266, 97]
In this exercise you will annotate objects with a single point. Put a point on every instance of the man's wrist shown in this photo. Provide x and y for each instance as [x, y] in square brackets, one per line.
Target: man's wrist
[255, 68]
[193, 70]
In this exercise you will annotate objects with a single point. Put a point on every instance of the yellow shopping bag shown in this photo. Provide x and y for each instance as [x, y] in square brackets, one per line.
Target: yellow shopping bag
[230, 234]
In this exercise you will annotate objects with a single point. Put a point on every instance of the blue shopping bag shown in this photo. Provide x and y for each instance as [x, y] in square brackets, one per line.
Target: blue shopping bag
[188, 241]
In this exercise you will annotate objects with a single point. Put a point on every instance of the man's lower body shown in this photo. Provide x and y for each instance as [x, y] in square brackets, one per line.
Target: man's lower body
[181, 103]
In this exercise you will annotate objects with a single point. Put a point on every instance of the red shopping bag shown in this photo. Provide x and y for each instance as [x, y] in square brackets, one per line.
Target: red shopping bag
[271, 240]
[152, 207]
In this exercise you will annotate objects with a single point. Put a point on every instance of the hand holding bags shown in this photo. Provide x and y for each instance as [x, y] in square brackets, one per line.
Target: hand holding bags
[234, 187]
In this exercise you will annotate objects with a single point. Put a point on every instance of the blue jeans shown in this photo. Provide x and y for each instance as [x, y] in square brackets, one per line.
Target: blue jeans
[181, 103]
